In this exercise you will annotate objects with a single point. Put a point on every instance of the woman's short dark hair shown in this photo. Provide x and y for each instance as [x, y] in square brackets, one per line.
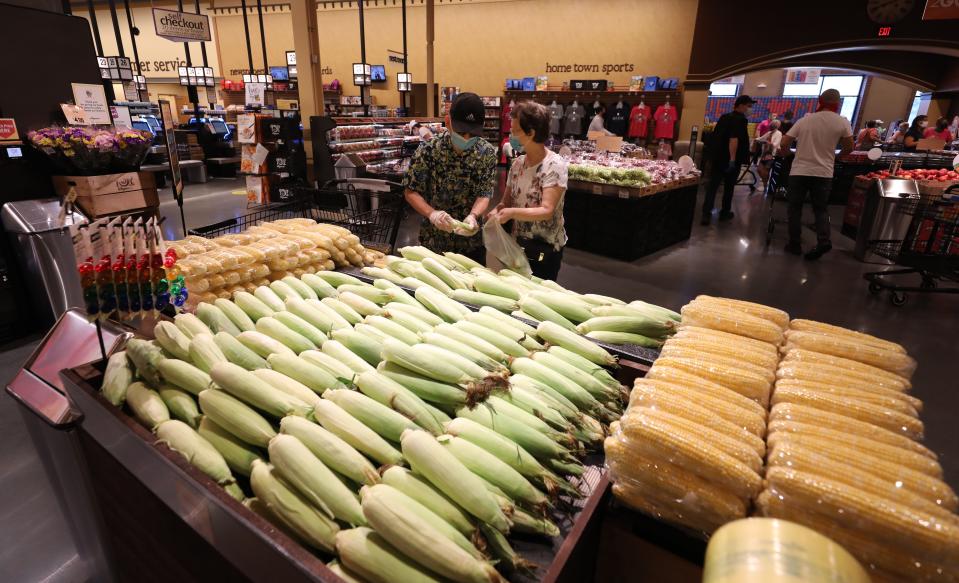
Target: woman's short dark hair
[871, 123]
[919, 119]
[941, 124]
[533, 118]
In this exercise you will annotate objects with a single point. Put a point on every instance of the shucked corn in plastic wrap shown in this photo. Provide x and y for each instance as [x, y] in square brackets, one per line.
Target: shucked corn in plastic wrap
[271, 251]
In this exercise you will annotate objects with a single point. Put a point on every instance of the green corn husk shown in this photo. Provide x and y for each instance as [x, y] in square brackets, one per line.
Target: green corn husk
[543, 313]
[493, 470]
[303, 290]
[340, 352]
[171, 339]
[431, 460]
[408, 509]
[472, 370]
[309, 524]
[565, 407]
[269, 297]
[384, 421]
[508, 409]
[431, 391]
[390, 393]
[337, 454]
[642, 325]
[283, 290]
[497, 338]
[567, 306]
[578, 376]
[338, 278]
[385, 284]
[471, 340]
[431, 280]
[320, 320]
[665, 311]
[360, 304]
[372, 333]
[501, 550]
[237, 353]
[237, 418]
[462, 260]
[392, 329]
[447, 309]
[475, 356]
[288, 385]
[302, 327]
[369, 293]
[191, 325]
[533, 441]
[521, 315]
[408, 321]
[507, 320]
[493, 285]
[363, 346]
[596, 371]
[341, 572]
[401, 296]
[531, 402]
[145, 357]
[184, 440]
[349, 429]
[417, 253]
[276, 330]
[631, 312]
[322, 288]
[625, 338]
[600, 300]
[477, 298]
[433, 266]
[412, 282]
[147, 406]
[556, 334]
[181, 404]
[252, 306]
[439, 415]
[342, 372]
[238, 455]
[590, 432]
[205, 353]
[382, 274]
[117, 377]
[302, 470]
[215, 319]
[248, 388]
[338, 321]
[417, 311]
[235, 491]
[345, 311]
[235, 314]
[183, 375]
[262, 344]
[316, 378]
[367, 554]
[579, 396]
[526, 523]
[422, 363]
[426, 494]
[491, 323]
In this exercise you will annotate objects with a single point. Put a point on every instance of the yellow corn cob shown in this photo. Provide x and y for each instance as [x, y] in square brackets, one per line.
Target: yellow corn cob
[762, 359]
[768, 373]
[646, 396]
[852, 445]
[690, 452]
[689, 381]
[869, 552]
[839, 436]
[909, 530]
[699, 333]
[879, 416]
[774, 315]
[743, 418]
[860, 337]
[650, 501]
[800, 457]
[839, 389]
[824, 373]
[838, 422]
[848, 347]
[740, 380]
[731, 320]
[882, 378]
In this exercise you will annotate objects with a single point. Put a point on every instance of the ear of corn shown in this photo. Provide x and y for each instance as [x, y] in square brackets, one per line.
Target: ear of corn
[556, 334]
[743, 343]
[695, 384]
[536, 443]
[116, 378]
[408, 321]
[900, 423]
[183, 439]
[145, 357]
[493, 470]
[181, 404]
[190, 325]
[578, 376]
[828, 329]
[524, 522]
[378, 417]
[341, 371]
[436, 268]
[269, 297]
[596, 371]
[826, 373]
[236, 417]
[341, 572]
[566, 305]
[367, 554]
[849, 347]
[400, 296]
[262, 344]
[430, 459]
[283, 290]
[555, 380]
[205, 353]
[882, 377]
[765, 360]
[744, 382]
[426, 494]
[487, 313]
[477, 298]
[340, 352]
[253, 306]
[215, 319]
[297, 465]
[238, 455]
[412, 282]
[424, 387]
[285, 384]
[646, 306]
[392, 329]
[462, 260]
[635, 325]
[743, 418]
[184, 375]
[315, 377]
[382, 274]
[429, 279]
[360, 304]
[349, 429]
[302, 289]
[436, 302]
[543, 313]
[147, 406]
[336, 320]
[422, 363]
[719, 362]
[275, 329]
[345, 311]
[337, 454]
[369, 293]
[319, 285]
[470, 368]
[496, 336]
[472, 341]
[517, 407]
[624, 338]
[171, 339]
[416, 310]
[311, 525]
[237, 353]
[248, 387]
[391, 394]
[465, 351]
[302, 327]
[366, 348]
[240, 319]
[521, 382]
[774, 315]
[731, 320]
[890, 399]
[493, 285]
[338, 278]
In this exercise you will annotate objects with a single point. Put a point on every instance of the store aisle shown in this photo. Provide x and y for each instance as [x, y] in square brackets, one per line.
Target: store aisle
[203, 204]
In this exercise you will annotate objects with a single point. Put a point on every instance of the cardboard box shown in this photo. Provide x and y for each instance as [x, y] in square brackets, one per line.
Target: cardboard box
[110, 194]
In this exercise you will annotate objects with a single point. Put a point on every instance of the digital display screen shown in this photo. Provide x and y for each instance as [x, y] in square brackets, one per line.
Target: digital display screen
[279, 73]
[14, 152]
[378, 73]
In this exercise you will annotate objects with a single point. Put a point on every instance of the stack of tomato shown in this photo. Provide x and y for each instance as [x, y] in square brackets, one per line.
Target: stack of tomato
[932, 174]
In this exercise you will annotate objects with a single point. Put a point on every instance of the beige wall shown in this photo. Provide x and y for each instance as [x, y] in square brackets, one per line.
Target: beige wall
[886, 100]
[774, 79]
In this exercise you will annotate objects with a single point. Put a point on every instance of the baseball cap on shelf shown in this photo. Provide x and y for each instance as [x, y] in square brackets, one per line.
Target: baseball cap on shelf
[744, 99]
[467, 113]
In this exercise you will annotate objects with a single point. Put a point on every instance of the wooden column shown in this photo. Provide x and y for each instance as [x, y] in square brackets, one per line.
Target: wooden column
[430, 35]
[306, 43]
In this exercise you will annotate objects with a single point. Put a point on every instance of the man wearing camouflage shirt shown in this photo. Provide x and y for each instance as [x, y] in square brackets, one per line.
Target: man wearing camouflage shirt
[452, 176]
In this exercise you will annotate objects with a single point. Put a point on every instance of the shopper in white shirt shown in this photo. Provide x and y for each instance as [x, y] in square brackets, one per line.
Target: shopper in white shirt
[816, 136]
[769, 143]
[598, 123]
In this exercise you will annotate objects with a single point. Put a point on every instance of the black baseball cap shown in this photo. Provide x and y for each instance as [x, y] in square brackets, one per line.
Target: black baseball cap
[744, 99]
[467, 114]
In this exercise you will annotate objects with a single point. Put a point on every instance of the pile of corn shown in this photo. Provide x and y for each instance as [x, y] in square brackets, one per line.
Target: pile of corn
[690, 449]
[845, 456]
[308, 385]
[599, 317]
[218, 268]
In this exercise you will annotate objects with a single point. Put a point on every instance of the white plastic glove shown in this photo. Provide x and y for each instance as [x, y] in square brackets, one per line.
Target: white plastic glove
[442, 221]
[472, 227]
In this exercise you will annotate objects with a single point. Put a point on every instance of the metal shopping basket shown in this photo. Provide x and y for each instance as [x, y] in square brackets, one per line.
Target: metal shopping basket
[270, 212]
[930, 249]
[776, 191]
[370, 208]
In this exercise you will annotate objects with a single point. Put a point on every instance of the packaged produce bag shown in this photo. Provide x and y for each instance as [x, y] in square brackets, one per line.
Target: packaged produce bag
[502, 251]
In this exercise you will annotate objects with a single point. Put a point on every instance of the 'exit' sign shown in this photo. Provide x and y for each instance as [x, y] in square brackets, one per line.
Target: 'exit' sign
[885, 31]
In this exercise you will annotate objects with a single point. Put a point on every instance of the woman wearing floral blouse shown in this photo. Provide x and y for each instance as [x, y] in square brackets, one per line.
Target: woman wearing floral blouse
[533, 199]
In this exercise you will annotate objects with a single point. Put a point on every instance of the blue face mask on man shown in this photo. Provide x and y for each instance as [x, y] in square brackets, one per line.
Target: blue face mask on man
[462, 143]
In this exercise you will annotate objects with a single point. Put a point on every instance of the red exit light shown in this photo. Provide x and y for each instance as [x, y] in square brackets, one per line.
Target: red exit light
[885, 31]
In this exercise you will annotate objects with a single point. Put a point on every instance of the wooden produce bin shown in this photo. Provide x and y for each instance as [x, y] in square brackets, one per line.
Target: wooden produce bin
[110, 194]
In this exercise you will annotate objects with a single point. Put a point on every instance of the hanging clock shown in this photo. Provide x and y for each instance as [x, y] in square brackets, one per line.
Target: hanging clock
[889, 11]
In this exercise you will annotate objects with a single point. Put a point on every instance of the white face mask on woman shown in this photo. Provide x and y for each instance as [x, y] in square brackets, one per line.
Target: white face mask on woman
[923, 124]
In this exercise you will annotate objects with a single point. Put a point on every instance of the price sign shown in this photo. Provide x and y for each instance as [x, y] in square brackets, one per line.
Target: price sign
[75, 114]
[597, 189]
[623, 193]
[609, 144]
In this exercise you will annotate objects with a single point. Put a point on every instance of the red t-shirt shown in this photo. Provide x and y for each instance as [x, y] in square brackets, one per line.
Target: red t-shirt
[943, 135]
[639, 121]
[665, 117]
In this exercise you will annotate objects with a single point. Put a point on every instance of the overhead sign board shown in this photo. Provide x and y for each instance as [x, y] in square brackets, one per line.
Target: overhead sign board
[181, 27]
[941, 10]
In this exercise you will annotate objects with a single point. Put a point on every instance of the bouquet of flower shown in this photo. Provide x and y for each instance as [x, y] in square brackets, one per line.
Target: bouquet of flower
[85, 151]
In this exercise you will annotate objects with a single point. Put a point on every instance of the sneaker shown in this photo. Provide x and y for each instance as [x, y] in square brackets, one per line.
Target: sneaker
[793, 248]
[818, 252]
[706, 220]
[726, 215]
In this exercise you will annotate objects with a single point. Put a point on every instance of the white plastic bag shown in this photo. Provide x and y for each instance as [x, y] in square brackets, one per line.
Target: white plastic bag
[502, 251]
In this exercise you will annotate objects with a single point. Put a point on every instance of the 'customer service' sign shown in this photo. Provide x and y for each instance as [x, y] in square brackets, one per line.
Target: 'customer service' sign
[181, 27]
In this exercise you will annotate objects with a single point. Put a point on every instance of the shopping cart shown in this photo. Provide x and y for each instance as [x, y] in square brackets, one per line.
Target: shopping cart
[271, 212]
[930, 249]
[370, 208]
[747, 177]
[776, 191]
